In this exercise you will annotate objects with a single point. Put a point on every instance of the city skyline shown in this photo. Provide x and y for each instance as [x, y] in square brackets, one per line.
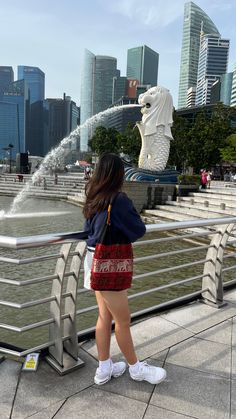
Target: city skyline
[53, 36]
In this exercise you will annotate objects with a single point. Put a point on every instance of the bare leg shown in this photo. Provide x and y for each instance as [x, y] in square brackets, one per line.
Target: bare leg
[103, 329]
[117, 303]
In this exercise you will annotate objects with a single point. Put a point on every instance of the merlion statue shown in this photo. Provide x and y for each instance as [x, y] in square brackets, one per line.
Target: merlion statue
[155, 128]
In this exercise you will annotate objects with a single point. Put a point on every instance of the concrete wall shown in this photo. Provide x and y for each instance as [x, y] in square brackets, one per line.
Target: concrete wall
[147, 194]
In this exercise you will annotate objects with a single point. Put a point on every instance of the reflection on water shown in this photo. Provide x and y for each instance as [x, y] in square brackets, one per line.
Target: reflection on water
[39, 216]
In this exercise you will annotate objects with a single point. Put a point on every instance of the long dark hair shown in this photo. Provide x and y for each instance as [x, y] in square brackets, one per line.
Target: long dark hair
[104, 184]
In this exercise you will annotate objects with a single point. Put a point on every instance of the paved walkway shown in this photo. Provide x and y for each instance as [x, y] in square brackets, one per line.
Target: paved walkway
[197, 346]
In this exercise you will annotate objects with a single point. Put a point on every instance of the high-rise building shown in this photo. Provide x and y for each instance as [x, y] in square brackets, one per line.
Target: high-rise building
[195, 21]
[119, 87]
[213, 62]
[36, 133]
[14, 127]
[226, 88]
[233, 92]
[9, 127]
[60, 118]
[221, 89]
[142, 64]
[96, 90]
[35, 79]
[6, 77]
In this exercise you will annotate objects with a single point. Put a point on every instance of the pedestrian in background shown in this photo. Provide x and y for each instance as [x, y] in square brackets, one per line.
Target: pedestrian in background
[209, 176]
[204, 179]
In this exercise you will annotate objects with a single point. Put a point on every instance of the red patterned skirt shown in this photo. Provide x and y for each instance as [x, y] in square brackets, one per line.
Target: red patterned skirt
[112, 267]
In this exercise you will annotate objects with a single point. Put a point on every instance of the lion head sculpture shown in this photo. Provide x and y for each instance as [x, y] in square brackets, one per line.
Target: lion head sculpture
[157, 110]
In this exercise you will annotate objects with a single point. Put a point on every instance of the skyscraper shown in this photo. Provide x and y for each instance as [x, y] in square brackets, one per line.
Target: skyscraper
[6, 77]
[226, 81]
[60, 118]
[195, 21]
[14, 105]
[96, 89]
[142, 64]
[213, 62]
[35, 79]
[119, 87]
[221, 89]
[233, 92]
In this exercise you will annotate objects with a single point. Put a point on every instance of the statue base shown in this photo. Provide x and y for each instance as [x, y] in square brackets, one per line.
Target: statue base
[141, 175]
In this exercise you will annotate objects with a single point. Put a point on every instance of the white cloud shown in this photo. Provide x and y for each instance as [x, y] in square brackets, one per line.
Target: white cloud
[222, 6]
[153, 12]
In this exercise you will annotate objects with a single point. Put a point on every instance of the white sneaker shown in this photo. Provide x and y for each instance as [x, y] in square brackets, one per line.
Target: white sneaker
[116, 369]
[153, 375]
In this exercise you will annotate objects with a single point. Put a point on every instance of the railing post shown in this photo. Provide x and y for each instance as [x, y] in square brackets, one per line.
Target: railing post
[64, 356]
[71, 345]
[212, 272]
[55, 358]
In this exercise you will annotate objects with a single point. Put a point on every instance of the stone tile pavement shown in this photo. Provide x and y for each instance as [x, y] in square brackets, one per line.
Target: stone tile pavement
[195, 343]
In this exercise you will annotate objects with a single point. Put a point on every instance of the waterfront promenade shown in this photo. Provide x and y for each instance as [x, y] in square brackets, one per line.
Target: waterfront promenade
[196, 344]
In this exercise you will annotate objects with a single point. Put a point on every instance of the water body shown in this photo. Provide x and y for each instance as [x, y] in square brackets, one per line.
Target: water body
[39, 216]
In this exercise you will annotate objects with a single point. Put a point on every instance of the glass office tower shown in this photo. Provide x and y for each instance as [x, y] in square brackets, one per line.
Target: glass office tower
[119, 87]
[221, 89]
[195, 21]
[226, 88]
[213, 62]
[6, 77]
[14, 126]
[233, 91]
[8, 127]
[96, 90]
[35, 79]
[60, 118]
[142, 64]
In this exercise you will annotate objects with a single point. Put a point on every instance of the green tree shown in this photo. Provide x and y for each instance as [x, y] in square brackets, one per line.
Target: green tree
[129, 142]
[198, 134]
[179, 146]
[228, 153]
[218, 131]
[207, 136]
[104, 140]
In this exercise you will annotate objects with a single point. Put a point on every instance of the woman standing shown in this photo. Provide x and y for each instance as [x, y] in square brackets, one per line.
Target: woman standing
[103, 188]
[204, 179]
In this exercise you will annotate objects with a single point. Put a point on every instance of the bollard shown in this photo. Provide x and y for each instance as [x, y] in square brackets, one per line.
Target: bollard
[206, 203]
[222, 206]
[178, 199]
[191, 201]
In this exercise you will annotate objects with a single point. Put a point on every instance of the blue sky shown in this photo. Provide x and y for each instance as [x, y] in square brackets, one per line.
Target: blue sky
[52, 35]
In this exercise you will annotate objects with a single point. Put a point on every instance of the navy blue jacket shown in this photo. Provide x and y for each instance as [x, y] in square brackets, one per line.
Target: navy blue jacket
[124, 217]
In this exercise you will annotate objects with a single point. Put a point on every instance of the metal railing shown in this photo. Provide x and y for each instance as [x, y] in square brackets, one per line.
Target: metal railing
[175, 263]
